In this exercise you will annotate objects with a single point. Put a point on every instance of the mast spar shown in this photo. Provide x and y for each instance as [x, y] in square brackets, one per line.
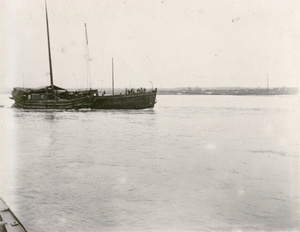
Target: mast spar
[49, 50]
[112, 72]
[88, 80]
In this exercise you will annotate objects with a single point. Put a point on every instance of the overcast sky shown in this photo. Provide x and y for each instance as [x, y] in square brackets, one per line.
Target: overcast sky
[173, 43]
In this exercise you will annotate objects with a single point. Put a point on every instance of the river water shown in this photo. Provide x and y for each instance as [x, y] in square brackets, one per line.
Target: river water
[193, 163]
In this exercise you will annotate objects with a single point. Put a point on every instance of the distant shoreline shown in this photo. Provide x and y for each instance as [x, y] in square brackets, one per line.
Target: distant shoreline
[228, 91]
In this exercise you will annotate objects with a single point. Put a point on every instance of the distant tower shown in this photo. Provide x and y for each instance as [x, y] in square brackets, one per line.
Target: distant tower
[267, 81]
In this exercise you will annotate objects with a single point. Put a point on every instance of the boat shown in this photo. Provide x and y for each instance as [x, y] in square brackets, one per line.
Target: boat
[8, 220]
[54, 97]
[130, 99]
[51, 97]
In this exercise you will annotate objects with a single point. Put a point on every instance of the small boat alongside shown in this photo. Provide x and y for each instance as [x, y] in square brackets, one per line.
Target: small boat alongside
[8, 220]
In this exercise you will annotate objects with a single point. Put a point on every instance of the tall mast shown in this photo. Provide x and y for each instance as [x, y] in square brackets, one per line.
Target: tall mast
[88, 80]
[112, 70]
[268, 81]
[49, 50]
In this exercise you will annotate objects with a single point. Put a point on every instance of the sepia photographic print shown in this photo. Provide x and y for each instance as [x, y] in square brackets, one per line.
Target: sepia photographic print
[149, 115]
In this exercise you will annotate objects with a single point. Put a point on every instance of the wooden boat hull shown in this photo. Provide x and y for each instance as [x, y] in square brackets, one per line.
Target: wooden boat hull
[41, 99]
[51, 104]
[125, 101]
[8, 221]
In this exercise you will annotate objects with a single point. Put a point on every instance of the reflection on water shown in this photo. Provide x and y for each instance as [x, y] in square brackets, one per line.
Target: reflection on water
[193, 163]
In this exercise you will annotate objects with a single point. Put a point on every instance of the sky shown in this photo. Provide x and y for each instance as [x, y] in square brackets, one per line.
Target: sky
[172, 43]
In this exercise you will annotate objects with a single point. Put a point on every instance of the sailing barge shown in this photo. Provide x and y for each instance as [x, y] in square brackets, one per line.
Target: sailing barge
[54, 97]
[131, 99]
[141, 100]
[51, 97]
[43, 98]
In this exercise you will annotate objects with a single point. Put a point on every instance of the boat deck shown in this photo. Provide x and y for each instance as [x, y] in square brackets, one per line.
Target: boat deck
[8, 221]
